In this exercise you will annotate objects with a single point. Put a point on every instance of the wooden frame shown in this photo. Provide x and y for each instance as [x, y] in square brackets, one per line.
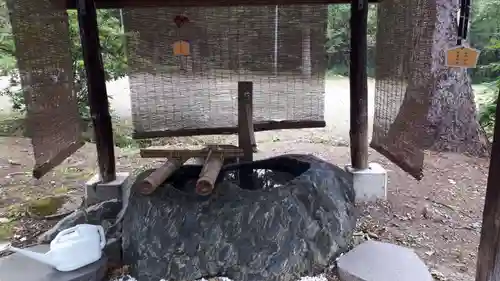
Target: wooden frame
[108, 4]
[257, 127]
[245, 109]
[212, 156]
[488, 267]
[358, 81]
[97, 86]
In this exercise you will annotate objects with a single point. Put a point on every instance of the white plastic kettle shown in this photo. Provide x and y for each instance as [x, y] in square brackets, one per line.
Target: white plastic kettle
[72, 248]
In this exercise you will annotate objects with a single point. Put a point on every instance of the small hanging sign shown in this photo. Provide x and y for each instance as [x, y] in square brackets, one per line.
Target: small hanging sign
[181, 48]
[461, 56]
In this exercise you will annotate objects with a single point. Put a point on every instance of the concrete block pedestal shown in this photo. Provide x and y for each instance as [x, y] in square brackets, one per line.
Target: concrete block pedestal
[369, 184]
[96, 191]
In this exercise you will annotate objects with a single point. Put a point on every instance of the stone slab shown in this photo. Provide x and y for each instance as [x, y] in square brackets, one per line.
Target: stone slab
[17, 267]
[378, 261]
[369, 184]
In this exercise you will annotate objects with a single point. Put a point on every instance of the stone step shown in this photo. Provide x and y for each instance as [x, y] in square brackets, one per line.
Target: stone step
[378, 261]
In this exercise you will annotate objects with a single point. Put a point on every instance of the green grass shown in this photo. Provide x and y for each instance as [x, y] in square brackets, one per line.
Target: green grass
[6, 230]
[45, 206]
[8, 64]
[482, 92]
[12, 125]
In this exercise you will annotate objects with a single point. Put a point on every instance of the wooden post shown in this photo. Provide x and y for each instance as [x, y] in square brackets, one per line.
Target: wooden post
[96, 84]
[488, 257]
[245, 129]
[359, 85]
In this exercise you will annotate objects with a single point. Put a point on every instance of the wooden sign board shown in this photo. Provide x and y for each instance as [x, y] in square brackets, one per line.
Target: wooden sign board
[181, 48]
[463, 57]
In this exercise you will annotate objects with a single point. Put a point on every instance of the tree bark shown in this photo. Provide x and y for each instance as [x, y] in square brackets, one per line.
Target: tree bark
[453, 114]
[437, 112]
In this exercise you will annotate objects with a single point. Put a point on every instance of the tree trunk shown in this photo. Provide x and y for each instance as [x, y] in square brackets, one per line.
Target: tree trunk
[421, 103]
[453, 110]
[451, 122]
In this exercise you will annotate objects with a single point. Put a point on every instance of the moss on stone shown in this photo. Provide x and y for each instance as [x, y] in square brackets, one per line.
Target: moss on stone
[45, 206]
[6, 230]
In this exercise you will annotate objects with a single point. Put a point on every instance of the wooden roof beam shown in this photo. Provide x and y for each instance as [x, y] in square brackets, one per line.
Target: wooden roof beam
[110, 4]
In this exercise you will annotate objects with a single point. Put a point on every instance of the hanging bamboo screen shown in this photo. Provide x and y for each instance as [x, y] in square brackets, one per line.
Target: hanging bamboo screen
[46, 72]
[280, 49]
[416, 109]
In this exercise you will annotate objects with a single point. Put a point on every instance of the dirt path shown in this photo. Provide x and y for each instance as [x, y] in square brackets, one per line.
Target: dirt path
[25, 202]
[440, 216]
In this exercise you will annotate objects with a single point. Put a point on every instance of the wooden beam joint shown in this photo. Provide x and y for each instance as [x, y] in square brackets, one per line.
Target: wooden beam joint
[213, 155]
[246, 138]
